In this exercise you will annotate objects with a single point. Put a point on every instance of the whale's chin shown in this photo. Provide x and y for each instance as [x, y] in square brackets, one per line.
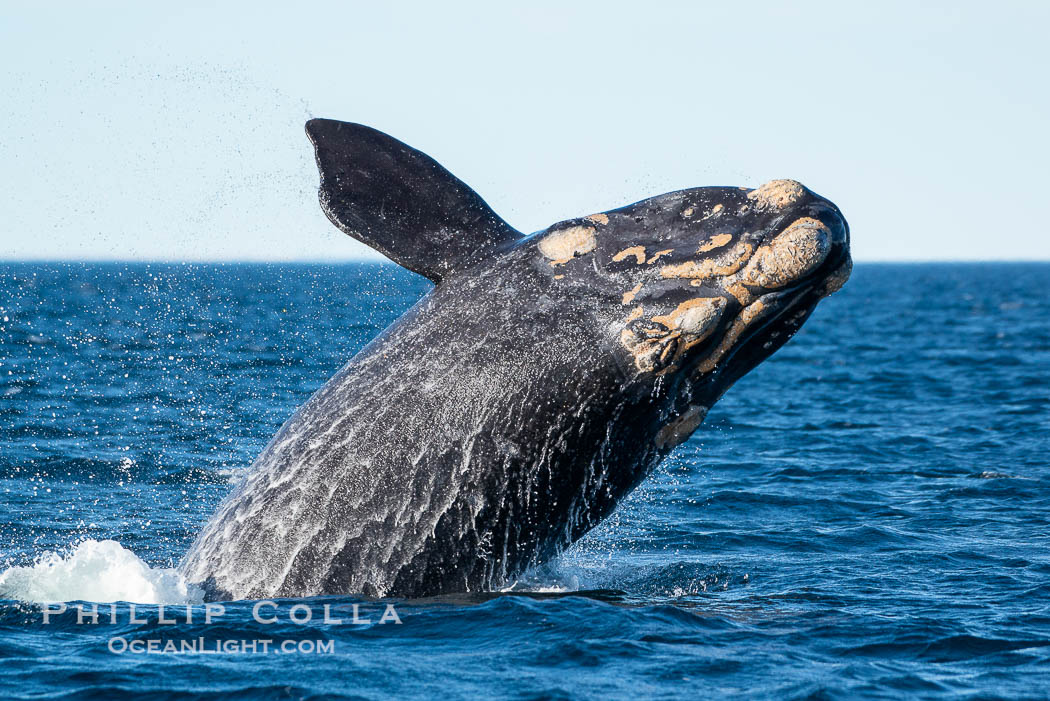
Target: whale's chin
[766, 324]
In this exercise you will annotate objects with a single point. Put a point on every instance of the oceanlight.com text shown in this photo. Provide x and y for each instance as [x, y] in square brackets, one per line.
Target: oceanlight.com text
[201, 646]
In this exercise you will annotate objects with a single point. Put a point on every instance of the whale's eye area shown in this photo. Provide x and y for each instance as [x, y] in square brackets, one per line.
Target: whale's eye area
[659, 344]
[652, 344]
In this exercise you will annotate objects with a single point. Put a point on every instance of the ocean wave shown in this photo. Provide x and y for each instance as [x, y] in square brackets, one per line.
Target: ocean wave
[100, 571]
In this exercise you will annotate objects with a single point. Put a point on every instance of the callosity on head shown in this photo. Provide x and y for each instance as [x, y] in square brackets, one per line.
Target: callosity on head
[701, 285]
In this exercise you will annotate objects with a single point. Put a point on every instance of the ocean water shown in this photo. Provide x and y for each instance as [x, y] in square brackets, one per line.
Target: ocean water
[867, 514]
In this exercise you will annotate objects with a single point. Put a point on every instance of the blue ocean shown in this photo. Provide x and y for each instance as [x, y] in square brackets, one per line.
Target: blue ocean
[866, 514]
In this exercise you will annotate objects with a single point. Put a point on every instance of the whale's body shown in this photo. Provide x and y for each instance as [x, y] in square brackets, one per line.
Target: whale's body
[541, 380]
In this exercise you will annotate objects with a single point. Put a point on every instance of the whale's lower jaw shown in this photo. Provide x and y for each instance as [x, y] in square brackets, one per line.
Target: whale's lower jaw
[786, 310]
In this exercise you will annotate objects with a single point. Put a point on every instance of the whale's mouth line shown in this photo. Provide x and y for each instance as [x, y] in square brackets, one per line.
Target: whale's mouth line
[772, 314]
[775, 329]
[788, 308]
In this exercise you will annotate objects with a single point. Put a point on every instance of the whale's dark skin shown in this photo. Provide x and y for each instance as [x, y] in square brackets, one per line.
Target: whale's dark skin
[540, 381]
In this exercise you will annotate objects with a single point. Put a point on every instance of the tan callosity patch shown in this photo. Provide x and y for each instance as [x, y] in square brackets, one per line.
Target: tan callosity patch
[558, 277]
[687, 212]
[716, 241]
[694, 316]
[630, 294]
[637, 251]
[649, 345]
[716, 210]
[656, 256]
[792, 254]
[740, 292]
[658, 344]
[706, 268]
[602, 219]
[777, 194]
[563, 245]
[640, 352]
[675, 432]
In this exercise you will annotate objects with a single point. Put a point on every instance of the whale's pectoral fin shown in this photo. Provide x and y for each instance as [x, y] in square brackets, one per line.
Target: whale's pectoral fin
[401, 202]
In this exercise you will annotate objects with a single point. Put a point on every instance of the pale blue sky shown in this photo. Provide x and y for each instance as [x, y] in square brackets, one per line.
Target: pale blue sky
[174, 131]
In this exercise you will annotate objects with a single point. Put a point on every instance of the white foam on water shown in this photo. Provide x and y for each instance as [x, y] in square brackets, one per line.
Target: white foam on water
[99, 571]
[538, 589]
[549, 579]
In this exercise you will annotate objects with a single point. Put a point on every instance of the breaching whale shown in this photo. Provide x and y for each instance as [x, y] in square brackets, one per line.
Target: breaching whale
[540, 381]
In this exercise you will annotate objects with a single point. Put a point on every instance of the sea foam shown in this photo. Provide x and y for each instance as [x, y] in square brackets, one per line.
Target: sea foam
[97, 570]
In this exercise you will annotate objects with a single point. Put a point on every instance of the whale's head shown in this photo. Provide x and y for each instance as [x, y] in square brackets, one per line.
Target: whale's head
[699, 286]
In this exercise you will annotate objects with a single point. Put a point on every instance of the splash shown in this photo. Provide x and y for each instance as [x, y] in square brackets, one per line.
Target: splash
[552, 578]
[95, 570]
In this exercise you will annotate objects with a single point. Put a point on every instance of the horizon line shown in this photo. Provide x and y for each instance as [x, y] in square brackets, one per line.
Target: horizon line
[385, 261]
